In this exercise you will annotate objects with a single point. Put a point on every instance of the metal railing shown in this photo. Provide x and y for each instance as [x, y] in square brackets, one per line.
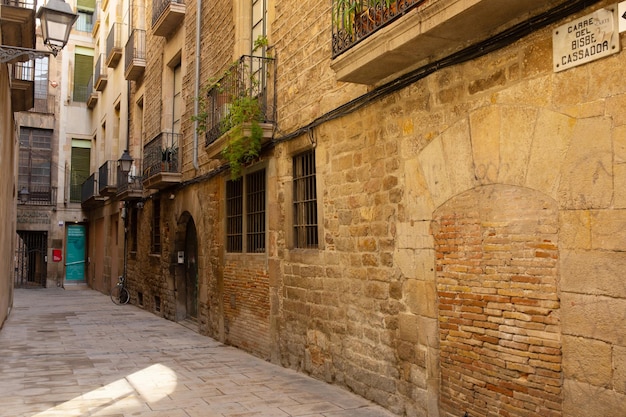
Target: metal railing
[107, 175]
[135, 47]
[355, 20]
[114, 39]
[40, 195]
[161, 154]
[100, 69]
[159, 6]
[131, 180]
[89, 189]
[250, 78]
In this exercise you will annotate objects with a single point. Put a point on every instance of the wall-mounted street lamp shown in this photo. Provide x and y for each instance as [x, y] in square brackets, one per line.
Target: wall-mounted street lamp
[23, 195]
[125, 161]
[56, 19]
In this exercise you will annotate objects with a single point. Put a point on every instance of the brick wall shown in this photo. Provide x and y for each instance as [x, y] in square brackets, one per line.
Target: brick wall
[246, 304]
[499, 327]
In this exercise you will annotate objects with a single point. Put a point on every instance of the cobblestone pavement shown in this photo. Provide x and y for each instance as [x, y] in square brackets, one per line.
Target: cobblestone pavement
[74, 353]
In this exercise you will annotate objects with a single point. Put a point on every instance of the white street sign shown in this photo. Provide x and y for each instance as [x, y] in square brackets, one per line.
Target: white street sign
[621, 13]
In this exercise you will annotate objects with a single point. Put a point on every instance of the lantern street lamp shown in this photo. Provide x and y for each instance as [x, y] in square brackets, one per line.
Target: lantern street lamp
[57, 20]
[125, 161]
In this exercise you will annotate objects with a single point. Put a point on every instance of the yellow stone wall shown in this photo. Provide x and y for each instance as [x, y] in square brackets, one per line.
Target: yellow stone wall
[364, 310]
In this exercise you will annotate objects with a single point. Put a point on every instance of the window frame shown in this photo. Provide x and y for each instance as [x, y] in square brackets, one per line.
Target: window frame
[248, 215]
[305, 201]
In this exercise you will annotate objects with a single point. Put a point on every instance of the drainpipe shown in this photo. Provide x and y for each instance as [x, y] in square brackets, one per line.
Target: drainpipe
[197, 86]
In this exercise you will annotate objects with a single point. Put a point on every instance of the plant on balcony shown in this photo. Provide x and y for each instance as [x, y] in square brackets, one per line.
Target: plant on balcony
[245, 133]
[346, 13]
[168, 158]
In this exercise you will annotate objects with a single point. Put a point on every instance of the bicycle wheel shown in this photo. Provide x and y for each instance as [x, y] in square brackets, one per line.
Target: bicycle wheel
[124, 296]
[116, 294]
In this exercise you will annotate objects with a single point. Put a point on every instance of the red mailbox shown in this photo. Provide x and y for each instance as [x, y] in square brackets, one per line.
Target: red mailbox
[57, 255]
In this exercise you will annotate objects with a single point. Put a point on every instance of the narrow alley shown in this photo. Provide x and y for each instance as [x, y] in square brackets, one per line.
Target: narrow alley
[75, 353]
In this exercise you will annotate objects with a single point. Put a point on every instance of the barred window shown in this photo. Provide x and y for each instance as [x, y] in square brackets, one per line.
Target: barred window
[234, 215]
[35, 163]
[305, 201]
[245, 213]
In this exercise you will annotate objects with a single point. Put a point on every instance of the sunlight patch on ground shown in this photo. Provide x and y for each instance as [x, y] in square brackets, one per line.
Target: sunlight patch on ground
[135, 392]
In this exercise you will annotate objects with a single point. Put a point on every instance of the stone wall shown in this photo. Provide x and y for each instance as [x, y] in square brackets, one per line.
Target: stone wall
[470, 255]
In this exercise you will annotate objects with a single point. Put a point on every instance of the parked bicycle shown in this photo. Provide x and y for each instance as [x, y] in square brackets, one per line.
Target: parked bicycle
[119, 293]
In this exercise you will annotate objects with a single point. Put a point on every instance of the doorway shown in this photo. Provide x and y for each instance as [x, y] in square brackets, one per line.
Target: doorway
[30, 259]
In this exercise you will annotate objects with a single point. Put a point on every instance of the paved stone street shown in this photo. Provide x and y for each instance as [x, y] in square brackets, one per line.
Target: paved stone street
[75, 353]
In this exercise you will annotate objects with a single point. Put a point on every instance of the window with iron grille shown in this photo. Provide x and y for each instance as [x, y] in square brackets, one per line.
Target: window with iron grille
[245, 213]
[156, 227]
[35, 162]
[234, 215]
[305, 201]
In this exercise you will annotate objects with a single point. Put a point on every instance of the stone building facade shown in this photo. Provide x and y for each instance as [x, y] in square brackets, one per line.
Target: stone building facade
[466, 208]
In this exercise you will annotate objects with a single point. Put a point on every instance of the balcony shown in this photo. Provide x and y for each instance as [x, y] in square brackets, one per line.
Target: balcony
[167, 15]
[107, 178]
[23, 86]
[92, 95]
[373, 43]
[17, 25]
[135, 55]
[114, 45]
[161, 164]
[252, 81]
[39, 195]
[129, 184]
[100, 74]
[89, 196]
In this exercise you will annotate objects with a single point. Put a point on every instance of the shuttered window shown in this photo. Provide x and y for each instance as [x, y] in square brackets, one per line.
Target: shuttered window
[83, 70]
[81, 155]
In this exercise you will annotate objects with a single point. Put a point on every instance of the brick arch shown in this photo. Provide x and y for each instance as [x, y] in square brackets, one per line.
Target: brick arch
[498, 305]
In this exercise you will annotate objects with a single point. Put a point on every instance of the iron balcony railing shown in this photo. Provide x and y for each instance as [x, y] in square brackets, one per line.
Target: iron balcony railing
[161, 154]
[107, 176]
[135, 47]
[130, 181]
[114, 39]
[159, 6]
[355, 20]
[100, 71]
[89, 189]
[250, 77]
[39, 195]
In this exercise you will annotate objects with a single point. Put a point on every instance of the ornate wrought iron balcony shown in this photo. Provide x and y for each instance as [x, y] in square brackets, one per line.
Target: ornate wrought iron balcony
[130, 184]
[355, 20]
[23, 86]
[252, 77]
[100, 74]
[107, 178]
[166, 16]
[89, 196]
[162, 164]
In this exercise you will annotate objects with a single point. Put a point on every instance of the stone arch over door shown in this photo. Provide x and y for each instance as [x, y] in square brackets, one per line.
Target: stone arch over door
[187, 282]
[497, 276]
